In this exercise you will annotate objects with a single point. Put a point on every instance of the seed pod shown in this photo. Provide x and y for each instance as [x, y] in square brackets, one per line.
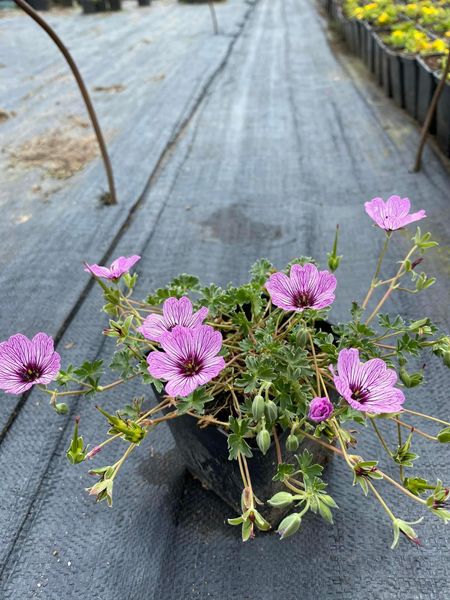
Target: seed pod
[263, 440]
[258, 407]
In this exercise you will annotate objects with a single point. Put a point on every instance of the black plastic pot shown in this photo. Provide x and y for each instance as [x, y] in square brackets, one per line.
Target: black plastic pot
[39, 4]
[351, 35]
[115, 5]
[205, 454]
[368, 50]
[378, 51]
[410, 83]
[144, 2]
[340, 22]
[426, 85]
[443, 120]
[396, 77]
[386, 72]
[93, 6]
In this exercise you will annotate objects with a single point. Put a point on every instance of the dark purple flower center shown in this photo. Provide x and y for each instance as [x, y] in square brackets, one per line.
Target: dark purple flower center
[191, 366]
[303, 299]
[30, 372]
[360, 395]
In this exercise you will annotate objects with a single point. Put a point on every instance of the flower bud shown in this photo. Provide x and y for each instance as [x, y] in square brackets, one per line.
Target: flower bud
[258, 407]
[289, 525]
[302, 337]
[263, 440]
[404, 376]
[271, 410]
[281, 500]
[61, 408]
[292, 443]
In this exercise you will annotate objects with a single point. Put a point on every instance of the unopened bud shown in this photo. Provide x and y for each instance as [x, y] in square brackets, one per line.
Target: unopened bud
[292, 443]
[271, 410]
[258, 407]
[263, 440]
[289, 525]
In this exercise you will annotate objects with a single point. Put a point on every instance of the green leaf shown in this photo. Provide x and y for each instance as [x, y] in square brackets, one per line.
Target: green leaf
[308, 469]
[195, 402]
[283, 470]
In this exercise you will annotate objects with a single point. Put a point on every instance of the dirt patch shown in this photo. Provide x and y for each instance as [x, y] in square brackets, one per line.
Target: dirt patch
[60, 152]
[5, 115]
[110, 88]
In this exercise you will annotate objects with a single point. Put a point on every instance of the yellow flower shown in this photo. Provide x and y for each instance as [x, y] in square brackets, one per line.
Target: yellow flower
[438, 46]
[383, 18]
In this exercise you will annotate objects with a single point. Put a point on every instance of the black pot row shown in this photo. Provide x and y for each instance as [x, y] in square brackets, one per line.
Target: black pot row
[89, 6]
[405, 78]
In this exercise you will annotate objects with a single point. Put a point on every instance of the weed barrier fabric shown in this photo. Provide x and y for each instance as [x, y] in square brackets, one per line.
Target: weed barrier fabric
[290, 140]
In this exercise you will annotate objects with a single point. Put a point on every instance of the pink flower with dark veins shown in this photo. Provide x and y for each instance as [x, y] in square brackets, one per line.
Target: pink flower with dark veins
[367, 387]
[306, 287]
[118, 267]
[189, 359]
[25, 362]
[392, 214]
[175, 312]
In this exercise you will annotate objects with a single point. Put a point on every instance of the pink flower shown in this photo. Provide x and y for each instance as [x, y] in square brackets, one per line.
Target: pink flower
[320, 409]
[392, 214]
[175, 312]
[369, 386]
[118, 267]
[306, 287]
[189, 359]
[24, 362]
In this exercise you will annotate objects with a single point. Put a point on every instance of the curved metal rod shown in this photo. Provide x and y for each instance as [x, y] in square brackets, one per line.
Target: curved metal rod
[89, 106]
[426, 126]
[213, 16]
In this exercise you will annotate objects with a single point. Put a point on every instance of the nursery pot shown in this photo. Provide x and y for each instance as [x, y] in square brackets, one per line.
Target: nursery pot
[351, 34]
[205, 454]
[144, 2]
[396, 77]
[443, 120]
[115, 4]
[426, 85]
[39, 4]
[89, 7]
[410, 83]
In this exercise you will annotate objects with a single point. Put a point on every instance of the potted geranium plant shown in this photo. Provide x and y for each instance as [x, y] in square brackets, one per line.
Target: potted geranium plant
[257, 385]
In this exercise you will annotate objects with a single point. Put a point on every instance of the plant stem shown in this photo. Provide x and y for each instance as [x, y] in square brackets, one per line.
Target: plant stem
[415, 430]
[277, 446]
[381, 501]
[380, 437]
[391, 286]
[418, 414]
[399, 438]
[377, 270]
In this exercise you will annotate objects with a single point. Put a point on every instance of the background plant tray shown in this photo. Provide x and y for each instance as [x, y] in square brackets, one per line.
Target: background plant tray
[284, 136]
